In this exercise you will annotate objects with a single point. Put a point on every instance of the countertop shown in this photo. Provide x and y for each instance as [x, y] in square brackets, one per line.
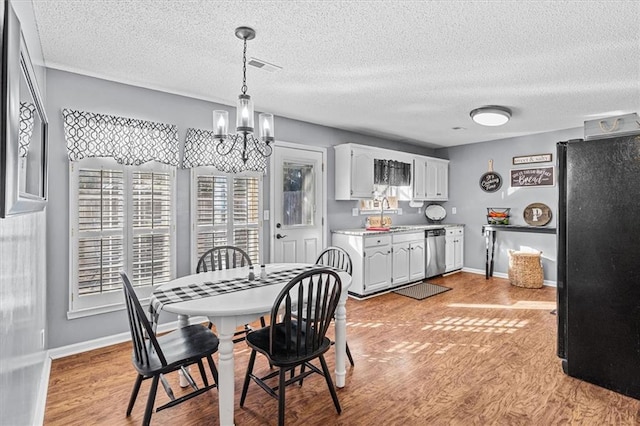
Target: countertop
[395, 229]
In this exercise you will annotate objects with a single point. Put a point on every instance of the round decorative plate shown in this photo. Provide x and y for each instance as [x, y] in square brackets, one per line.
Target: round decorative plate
[537, 214]
[435, 212]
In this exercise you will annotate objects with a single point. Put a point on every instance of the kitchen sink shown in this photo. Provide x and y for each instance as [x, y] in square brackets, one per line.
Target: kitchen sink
[399, 228]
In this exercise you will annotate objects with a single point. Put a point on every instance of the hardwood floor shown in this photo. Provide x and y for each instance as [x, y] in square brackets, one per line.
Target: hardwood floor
[482, 353]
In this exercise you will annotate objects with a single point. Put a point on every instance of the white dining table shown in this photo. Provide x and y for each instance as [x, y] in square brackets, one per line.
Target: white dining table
[228, 311]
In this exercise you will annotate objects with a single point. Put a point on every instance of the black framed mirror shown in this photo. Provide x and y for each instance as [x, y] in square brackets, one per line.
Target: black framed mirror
[23, 148]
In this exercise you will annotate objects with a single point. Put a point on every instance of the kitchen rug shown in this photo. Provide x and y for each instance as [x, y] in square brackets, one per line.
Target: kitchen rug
[422, 290]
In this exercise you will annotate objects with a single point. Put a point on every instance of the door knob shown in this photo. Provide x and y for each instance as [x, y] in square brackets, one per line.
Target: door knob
[278, 236]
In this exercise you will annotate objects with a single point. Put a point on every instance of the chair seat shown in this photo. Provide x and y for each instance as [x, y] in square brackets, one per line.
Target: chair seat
[182, 346]
[259, 340]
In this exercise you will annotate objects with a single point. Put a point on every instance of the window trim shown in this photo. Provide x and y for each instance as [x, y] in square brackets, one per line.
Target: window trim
[86, 305]
[212, 171]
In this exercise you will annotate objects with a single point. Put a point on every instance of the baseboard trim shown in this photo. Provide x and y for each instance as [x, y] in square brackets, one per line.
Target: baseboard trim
[43, 390]
[549, 283]
[89, 345]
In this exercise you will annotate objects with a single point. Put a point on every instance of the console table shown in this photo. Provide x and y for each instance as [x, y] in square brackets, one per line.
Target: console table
[489, 232]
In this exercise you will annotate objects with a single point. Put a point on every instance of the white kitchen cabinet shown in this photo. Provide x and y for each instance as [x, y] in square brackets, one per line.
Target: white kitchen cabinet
[353, 172]
[454, 248]
[401, 254]
[437, 180]
[420, 178]
[377, 264]
[417, 267]
[408, 258]
[383, 261]
[430, 179]
[371, 261]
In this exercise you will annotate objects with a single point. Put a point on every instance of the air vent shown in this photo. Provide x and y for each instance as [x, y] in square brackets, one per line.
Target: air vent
[266, 66]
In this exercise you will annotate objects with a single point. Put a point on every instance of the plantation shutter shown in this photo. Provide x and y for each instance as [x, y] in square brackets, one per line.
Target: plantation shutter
[151, 200]
[212, 202]
[227, 213]
[100, 230]
[245, 216]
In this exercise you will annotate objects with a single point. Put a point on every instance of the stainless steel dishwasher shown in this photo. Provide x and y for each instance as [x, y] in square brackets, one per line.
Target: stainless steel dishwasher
[435, 252]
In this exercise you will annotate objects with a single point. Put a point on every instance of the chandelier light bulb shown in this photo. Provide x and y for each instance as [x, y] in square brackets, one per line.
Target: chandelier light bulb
[220, 124]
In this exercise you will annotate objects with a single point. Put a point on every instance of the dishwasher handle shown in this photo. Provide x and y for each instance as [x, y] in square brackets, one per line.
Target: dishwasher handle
[436, 232]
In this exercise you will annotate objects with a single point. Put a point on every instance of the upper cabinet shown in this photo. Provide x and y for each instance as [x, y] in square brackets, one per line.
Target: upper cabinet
[430, 179]
[437, 179]
[355, 179]
[354, 172]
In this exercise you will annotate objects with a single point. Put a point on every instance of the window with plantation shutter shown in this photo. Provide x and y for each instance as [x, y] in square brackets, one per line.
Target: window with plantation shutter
[245, 216]
[152, 220]
[122, 218]
[225, 211]
[100, 230]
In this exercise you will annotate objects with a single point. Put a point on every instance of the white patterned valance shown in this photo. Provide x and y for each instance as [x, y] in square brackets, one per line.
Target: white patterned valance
[201, 150]
[27, 111]
[127, 140]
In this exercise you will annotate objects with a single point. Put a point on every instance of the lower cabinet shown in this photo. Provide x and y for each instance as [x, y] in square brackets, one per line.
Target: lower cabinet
[454, 248]
[408, 258]
[383, 261]
[376, 264]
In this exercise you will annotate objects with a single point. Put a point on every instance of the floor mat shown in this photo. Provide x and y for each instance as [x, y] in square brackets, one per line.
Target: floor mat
[422, 290]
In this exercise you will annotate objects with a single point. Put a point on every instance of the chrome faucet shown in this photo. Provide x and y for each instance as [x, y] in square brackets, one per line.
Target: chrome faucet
[382, 210]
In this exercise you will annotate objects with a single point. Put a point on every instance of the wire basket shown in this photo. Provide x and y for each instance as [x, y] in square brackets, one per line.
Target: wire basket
[498, 215]
[525, 269]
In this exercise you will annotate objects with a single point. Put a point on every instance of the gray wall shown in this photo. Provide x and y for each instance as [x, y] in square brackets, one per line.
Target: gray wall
[23, 289]
[468, 163]
[68, 90]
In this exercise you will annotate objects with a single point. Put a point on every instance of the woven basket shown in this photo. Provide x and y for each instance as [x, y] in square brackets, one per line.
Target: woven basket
[525, 269]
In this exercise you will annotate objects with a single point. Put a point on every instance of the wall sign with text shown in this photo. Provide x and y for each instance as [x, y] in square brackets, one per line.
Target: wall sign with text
[490, 182]
[529, 159]
[539, 176]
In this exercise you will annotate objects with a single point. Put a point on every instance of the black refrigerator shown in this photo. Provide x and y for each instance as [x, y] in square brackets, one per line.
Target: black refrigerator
[599, 262]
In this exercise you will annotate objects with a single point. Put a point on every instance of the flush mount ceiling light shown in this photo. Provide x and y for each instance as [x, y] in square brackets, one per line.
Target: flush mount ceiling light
[491, 115]
[242, 151]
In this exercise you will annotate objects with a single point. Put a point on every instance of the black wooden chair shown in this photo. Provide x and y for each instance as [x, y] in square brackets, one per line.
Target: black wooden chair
[338, 258]
[223, 257]
[288, 342]
[226, 257]
[154, 355]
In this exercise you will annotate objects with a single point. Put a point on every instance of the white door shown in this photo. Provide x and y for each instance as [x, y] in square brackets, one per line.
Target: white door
[297, 226]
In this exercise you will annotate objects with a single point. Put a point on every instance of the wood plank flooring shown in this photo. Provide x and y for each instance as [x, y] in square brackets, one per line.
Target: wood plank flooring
[483, 353]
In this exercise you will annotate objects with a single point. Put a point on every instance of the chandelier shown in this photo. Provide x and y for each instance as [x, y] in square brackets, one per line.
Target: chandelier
[242, 151]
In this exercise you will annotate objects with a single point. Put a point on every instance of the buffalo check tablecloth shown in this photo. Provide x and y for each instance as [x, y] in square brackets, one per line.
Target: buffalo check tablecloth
[184, 293]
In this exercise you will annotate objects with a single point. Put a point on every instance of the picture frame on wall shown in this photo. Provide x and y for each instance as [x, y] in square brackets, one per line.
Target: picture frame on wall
[23, 131]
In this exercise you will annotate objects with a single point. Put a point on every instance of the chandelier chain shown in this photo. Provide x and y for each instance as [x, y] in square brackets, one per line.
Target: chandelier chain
[244, 68]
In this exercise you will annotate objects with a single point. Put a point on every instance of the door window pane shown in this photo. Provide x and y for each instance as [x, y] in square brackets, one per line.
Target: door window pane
[298, 194]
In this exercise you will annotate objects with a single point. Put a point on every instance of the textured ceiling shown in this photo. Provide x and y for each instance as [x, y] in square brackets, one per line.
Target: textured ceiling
[405, 70]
